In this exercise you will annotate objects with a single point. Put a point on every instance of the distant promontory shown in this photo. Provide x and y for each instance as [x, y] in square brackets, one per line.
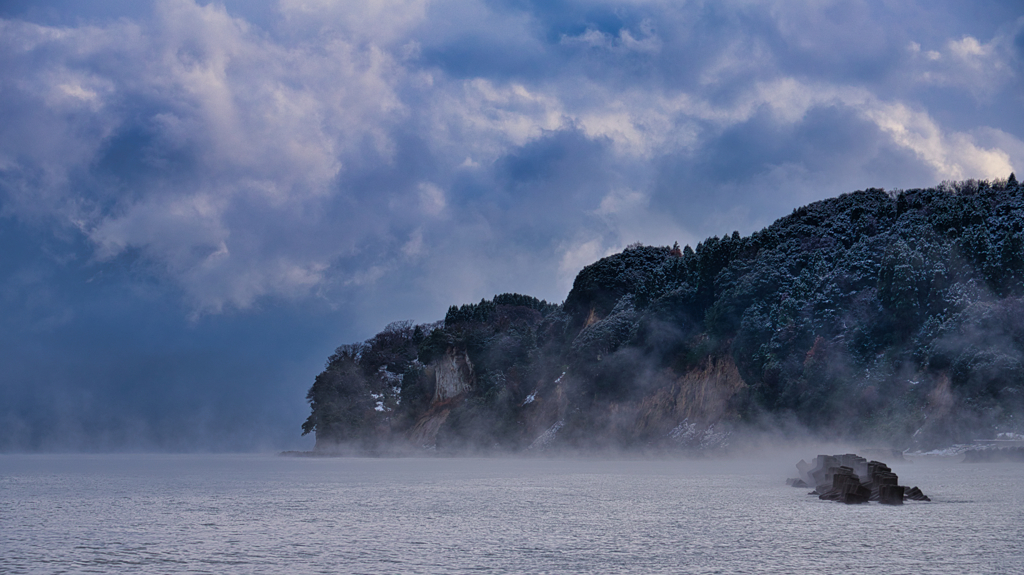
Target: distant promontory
[892, 317]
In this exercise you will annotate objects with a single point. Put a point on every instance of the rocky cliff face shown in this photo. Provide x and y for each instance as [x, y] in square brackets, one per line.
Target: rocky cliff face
[543, 413]
[454, 373]
[693, 410]
[890, 317]
[693, 402]
[454, 379]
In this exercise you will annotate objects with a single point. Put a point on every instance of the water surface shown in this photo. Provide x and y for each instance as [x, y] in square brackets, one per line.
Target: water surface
[269, 514]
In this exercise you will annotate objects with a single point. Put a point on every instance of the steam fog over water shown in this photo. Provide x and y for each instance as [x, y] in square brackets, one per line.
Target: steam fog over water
[201, 199]
[266, 514]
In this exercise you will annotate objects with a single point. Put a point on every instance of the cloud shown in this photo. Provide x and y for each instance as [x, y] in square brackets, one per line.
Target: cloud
[953, 156]
[432, 199]
[224, 123]
[644, 40]
[577, 255]
[176, 138]
[381, 22]
[498, 116]
[389, 158]
[982, 68]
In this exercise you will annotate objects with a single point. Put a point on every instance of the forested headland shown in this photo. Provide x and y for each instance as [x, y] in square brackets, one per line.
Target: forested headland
[892, 317]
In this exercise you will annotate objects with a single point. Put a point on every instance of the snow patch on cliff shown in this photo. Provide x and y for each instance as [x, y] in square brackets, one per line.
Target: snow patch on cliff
[691, 435]
[548, 436]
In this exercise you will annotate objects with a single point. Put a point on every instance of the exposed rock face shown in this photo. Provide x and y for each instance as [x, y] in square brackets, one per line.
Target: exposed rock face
[544, 412]
[454, 373]
[454, 379]
[697, 399]
[424, 433]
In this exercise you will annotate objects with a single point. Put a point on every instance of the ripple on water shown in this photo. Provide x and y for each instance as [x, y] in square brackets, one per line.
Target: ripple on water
[253, 514]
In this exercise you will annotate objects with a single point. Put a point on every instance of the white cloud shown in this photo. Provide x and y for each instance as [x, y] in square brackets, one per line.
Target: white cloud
[629, 217]
[414, 247]
[575, 256]
[649, 124]
[994, 138]
[264, 162]
[645, 40]
[953, 156]
[621, 201]
[265, 126]
[501, 115]
[432, 199]
[591, 38]
[969, 48]
[980, 68]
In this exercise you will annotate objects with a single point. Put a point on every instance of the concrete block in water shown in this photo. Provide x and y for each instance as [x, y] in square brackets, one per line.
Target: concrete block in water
[890, 494]
[914, 494]
[853, 479]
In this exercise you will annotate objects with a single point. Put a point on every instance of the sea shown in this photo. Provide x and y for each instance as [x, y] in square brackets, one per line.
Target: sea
[225, 514]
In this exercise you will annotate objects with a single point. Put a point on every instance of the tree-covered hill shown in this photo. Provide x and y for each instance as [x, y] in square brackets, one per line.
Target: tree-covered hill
[880, 316]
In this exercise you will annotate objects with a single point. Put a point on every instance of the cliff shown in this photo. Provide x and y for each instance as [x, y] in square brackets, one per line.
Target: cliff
[887, 316]
[453, 380]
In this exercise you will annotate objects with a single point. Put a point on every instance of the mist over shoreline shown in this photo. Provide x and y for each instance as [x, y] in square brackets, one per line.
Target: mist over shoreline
[886, 318]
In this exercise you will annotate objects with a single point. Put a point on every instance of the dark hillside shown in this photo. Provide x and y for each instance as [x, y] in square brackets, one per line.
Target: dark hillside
[875, 315]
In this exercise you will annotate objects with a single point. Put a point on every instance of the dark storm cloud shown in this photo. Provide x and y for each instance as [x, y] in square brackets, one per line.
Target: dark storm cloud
[200, 199]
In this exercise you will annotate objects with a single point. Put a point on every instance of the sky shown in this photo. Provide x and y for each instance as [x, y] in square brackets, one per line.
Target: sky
[199, 201]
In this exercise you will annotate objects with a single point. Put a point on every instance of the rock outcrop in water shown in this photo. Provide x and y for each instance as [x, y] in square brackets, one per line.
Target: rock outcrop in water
[850, 479]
